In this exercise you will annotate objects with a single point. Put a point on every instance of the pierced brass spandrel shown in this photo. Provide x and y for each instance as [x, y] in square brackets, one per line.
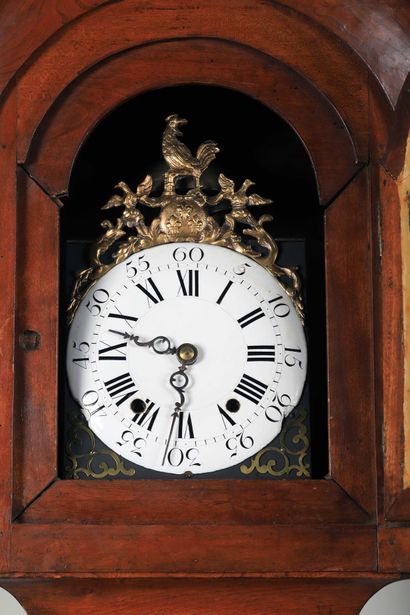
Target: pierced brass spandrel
[85, 459]
[287, 458]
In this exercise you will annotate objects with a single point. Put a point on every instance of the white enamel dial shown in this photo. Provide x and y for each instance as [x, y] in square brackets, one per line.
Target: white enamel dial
[248, 376]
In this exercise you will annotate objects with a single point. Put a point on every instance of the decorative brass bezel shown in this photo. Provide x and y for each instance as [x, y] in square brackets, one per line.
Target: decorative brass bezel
[184, 217]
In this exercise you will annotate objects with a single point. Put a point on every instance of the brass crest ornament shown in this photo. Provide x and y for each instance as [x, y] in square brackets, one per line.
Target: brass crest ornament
[184, 217]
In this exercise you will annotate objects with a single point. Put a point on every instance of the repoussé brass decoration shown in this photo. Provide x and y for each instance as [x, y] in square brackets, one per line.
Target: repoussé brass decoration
[86, 459]
[287, 458]
[184, 217]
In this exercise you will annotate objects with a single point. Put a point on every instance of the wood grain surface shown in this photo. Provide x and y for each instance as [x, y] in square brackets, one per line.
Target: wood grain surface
[394, 549]
[117, 27]
[313, 502]
[382, 46]
[8, 249]
[26, 24]
[350, 336]
[195, 596]
[93, 95]
[172, 548]
[35, 434]
[319, 65]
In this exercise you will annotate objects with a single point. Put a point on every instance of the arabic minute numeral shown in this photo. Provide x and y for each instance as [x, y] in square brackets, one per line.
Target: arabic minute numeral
[275, 411]
[135, 266]
[240, 269]
[292, 359]
[138, 444]
[84, 349]
[176, 457]
[89, 403]
[241, 440]
[100, 296]
[194, 254]
[280, 308]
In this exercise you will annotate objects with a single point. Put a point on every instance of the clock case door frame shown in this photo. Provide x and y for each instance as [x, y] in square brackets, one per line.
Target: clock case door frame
[214, 527]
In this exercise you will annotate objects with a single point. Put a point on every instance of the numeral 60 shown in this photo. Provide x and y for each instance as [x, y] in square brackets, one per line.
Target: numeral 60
[194, 254]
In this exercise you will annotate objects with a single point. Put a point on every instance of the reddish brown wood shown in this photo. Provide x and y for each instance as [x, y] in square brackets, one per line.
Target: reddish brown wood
[212, 528]
[350, 342]
[400, 509]
[384, 52]
[7, 292]
[19, 35]
[394, 549]
[379, 31]
[100, 90]
[199, 596]
[192, 548]
[392, 340]
[117, 27]
[399, 128]
[37, 310]
[310, 502]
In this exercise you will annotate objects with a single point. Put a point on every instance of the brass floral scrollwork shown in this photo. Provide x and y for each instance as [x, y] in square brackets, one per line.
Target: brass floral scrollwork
[86, 461]
[184, 217]
[289, 456]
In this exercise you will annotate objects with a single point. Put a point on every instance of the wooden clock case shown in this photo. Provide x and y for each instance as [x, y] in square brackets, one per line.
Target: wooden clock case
[246, 547]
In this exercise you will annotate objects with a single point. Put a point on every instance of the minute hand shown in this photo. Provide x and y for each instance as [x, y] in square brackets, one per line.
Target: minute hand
[159, 344]
[180, 388]
[187, 355]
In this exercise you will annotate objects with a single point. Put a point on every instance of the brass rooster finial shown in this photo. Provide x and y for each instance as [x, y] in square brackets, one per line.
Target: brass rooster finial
[178, 156]
[184, 217]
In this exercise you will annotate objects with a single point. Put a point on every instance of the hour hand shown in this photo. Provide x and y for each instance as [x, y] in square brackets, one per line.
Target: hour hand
[159, 344]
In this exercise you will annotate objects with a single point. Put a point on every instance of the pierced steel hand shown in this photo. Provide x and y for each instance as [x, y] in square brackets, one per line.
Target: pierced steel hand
[159, 344]
[187, 355]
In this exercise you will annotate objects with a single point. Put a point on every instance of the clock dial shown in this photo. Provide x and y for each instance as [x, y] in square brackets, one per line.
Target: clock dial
[247, 376]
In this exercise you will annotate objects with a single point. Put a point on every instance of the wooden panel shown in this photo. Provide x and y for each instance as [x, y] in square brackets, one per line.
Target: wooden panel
[403, 185]
[191, 548]
[310, 502]
[350, 342]
[400, 509]
[394, 549]
[7, 293]
[395, 153]
[392, 340]
[385, 50]
[196, 61]
[114, 28]
[36, 370]
[199, 596]
[18, 36]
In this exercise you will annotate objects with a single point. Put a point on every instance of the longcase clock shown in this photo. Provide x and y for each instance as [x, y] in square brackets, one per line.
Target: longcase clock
[182, 535]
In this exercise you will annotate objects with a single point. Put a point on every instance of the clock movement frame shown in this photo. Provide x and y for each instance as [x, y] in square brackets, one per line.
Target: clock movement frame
[327, 535]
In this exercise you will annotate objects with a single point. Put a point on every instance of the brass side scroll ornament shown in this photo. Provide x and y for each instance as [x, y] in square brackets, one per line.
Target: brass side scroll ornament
[184, 217]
